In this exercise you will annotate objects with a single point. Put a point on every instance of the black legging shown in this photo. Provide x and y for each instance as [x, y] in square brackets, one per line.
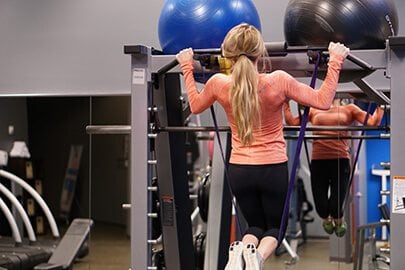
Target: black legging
[260, 192]
[330, 174]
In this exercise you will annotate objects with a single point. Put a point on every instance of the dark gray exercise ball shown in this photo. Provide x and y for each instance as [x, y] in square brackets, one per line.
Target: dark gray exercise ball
[359, 24]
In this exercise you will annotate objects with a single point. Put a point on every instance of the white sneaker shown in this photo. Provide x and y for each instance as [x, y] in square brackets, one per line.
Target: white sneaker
[235, 260]
[252, 258]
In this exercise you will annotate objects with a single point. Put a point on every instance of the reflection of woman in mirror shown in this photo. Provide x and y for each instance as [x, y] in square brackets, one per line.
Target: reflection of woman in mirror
[330, 165]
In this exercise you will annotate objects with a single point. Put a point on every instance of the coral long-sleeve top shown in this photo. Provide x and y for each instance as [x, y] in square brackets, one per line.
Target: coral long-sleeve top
[274, 89]
[335, 116]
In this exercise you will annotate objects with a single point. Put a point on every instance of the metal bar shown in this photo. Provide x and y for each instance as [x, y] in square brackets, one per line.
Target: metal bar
[141, 253]
[286, 128]
[349, 137]
[359, 62]
[336, 128]
[322, 137]
[296, 64]
[168, 67]
[126, 206]
[281, 49]
[193, 129]
[207, 51]
[395, 58]
[278, 47]
[372, 93]
[290, 251]
[385, 165]
[371, 225]
[358, 262]
[273, 48]
[108, 129]
[127, 130]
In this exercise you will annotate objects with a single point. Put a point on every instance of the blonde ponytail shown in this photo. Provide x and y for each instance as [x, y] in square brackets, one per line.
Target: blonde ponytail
[243, 45]
[245, 99]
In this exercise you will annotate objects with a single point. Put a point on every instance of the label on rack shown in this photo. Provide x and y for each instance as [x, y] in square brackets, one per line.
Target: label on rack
[40, 225]
[138, 76]
[29, 171]
[38, 186]
[398, 195]
[31, 207]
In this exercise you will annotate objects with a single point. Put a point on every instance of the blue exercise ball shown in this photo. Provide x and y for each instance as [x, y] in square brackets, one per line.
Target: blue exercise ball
[359, 24]
[202, 24]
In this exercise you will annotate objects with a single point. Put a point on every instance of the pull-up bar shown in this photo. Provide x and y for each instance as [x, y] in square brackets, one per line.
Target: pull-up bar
[126, 129]
[273, 49]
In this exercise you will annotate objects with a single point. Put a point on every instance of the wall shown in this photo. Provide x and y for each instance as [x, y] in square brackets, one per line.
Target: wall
[66, 46]
[76, 46]
[12, 112]
[110, 156]
[56, 123]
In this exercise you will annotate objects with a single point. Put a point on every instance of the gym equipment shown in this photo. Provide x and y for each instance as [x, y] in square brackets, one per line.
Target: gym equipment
[384, 174]
[13, 225]
[20, 209]
[37, 197]
[158, 260]
[23, 256]
[157, 147]
[364, 24]
[375, 257]
[202, 23]
[203, 196]
[69, 247]
[156, 222]
[28, 257]
[199, 250]
[145, 74]
[16, 255]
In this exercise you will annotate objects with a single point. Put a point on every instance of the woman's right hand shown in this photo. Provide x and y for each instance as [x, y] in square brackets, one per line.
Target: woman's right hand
[185, 55]
[338, 49]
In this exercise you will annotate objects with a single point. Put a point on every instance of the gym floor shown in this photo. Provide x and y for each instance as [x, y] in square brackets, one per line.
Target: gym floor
[110, 250]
